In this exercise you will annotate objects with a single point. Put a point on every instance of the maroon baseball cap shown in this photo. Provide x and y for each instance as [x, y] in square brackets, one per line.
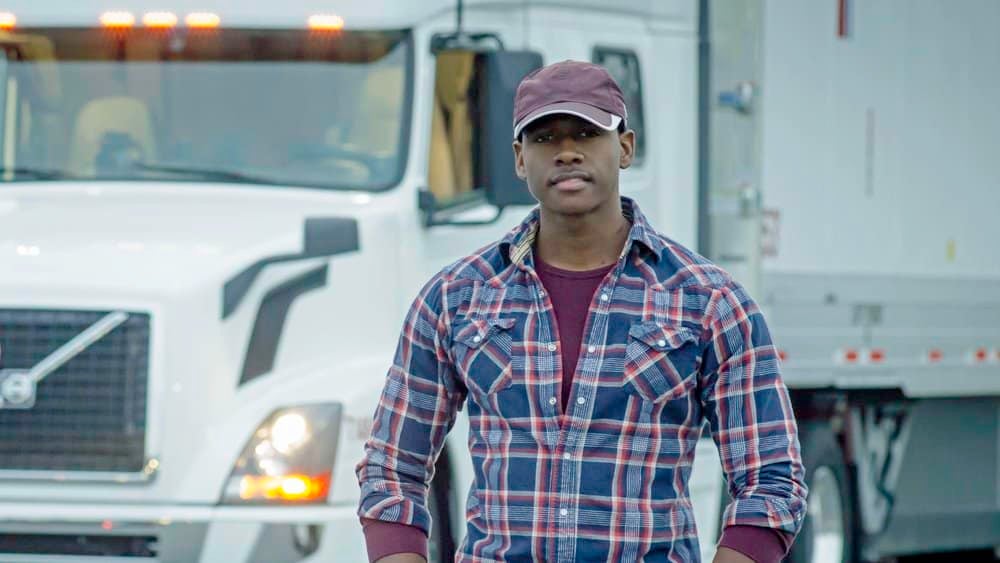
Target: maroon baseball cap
[577, 88]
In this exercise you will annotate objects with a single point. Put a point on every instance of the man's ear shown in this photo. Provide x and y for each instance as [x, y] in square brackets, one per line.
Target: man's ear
[627, 142]
[519, 160]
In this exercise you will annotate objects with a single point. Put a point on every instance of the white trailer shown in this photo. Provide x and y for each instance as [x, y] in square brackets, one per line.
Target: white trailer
[851, 179]
[214, 217]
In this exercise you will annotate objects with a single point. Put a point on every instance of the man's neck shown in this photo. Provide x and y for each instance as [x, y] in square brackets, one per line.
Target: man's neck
[582, 242]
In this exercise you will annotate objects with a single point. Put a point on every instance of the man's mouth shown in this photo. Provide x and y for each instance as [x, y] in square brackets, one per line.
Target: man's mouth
[570, 181]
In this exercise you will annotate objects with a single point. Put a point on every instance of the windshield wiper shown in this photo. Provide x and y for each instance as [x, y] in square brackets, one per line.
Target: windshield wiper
[36, 173]
[204, 173]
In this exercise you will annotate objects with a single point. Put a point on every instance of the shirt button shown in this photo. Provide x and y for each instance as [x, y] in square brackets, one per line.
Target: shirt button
[541, 293]
[591, 349]
[477, 338]
[563, 512]
[567, 456]
[552, 400]
[661, 343]
[580, 400]
[604, 297]
[552, 347]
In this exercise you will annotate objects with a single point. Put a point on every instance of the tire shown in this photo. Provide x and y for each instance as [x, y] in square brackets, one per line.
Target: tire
[441, 543]
[829, 533]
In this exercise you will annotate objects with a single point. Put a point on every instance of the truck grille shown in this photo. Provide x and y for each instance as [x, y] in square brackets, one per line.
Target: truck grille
[90, 414]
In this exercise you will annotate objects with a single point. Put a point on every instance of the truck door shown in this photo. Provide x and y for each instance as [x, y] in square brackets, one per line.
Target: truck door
[730, 231]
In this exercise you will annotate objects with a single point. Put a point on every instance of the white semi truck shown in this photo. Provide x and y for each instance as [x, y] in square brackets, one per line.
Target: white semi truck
[213, 217]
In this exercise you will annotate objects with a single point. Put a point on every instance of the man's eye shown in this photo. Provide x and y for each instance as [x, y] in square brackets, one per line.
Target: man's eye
[543, 138]
[589, 133]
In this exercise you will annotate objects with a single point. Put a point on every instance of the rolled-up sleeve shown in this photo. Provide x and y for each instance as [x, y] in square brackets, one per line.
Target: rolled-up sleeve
[415, 412]
[750, 415]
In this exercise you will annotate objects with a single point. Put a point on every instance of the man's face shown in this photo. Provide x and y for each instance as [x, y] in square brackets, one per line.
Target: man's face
[571, 165]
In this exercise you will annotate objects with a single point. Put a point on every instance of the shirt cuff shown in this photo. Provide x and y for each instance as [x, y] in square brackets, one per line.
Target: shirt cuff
[389, 538]
[763, 545]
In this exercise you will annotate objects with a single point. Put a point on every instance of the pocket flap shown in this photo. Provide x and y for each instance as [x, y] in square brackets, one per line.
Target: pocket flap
[474, 332]
[661, 336]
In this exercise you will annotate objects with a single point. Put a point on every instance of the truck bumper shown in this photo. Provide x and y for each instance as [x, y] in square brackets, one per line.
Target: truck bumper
[63, 533]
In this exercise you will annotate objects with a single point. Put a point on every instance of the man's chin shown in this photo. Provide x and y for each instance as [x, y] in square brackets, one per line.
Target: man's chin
[571, 205]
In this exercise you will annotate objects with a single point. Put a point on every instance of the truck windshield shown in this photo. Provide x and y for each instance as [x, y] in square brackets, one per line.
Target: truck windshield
[275, 107]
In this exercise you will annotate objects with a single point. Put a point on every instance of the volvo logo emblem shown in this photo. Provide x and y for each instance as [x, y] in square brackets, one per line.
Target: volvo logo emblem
[17, 388]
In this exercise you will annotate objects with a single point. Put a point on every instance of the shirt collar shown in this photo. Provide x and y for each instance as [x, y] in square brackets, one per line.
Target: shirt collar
[517, 244]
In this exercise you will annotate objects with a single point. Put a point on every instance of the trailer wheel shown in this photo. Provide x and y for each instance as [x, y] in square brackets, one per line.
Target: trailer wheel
[828, 532]
[441, 543]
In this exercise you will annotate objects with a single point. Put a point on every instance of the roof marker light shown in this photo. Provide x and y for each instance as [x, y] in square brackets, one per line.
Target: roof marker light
[159, 20]
[326, 22]
[117, 19]
[202, 20]
[7, 20]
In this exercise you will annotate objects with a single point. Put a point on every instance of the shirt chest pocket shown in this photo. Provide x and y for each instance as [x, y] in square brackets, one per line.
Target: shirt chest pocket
[661, 361]
[482, 352]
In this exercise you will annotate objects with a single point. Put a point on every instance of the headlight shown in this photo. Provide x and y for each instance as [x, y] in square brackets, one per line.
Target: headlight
[288, 459]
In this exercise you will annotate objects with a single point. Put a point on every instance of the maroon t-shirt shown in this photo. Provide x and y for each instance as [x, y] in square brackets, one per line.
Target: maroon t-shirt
[571, 293]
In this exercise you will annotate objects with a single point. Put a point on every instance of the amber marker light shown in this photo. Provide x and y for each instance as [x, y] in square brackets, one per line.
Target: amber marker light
[202, 20]
[291, 488]
[159, 20]
[117, 19]
[326, 22]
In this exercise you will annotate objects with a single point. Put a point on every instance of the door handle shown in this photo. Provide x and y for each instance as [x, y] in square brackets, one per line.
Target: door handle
[740, 98]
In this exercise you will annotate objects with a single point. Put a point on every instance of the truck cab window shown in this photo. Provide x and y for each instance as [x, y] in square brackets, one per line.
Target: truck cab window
[282, 107]
[623, 65]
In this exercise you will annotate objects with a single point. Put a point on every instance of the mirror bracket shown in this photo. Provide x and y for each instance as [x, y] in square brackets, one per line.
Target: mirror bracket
[429, 209]
[464, 41]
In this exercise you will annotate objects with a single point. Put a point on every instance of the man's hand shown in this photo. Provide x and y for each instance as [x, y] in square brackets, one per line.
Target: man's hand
[726, 555]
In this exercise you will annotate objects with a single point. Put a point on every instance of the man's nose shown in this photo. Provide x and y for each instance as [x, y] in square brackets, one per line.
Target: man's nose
[568, 153]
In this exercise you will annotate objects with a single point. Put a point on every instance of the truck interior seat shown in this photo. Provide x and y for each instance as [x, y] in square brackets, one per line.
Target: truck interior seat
[441, 169]
[115, 114]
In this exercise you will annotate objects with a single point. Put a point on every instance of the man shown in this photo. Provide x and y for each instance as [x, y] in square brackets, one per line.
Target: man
[587, 348]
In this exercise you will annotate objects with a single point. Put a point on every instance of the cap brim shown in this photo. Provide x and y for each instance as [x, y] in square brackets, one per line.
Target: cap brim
[597, 116]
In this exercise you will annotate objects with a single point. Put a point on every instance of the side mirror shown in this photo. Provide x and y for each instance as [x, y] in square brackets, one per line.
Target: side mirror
[474, 105]
[498, 74]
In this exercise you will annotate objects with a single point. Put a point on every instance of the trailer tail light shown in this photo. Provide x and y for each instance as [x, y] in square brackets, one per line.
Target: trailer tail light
[934, 356]
[876, 356]
[849, 356]
[981, 355]
[326, 22]
[202, 20]
[7, 21]
[117, 19]
[159, 20]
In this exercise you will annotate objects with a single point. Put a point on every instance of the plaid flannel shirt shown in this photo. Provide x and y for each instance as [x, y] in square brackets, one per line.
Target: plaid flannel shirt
[670, 341]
